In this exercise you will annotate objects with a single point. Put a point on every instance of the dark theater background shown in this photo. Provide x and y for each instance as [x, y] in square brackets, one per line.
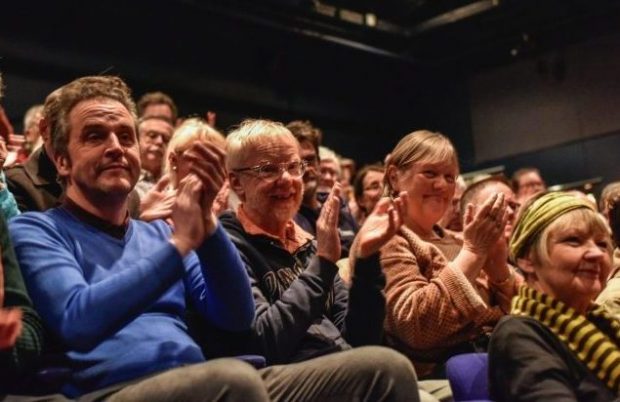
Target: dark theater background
[512, 82]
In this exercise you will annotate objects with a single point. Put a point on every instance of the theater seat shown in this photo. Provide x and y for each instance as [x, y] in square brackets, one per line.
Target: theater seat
[468, 377]
[257, 361]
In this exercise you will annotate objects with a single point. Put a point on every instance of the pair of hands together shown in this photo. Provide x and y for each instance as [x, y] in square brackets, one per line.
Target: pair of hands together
[484, 235]
[378, 229]
[191, 210]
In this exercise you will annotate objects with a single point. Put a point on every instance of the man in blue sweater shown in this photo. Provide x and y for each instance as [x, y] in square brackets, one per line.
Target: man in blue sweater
[112, 289]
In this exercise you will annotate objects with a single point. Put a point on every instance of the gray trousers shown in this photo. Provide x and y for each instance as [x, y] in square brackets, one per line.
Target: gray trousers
[371, 374]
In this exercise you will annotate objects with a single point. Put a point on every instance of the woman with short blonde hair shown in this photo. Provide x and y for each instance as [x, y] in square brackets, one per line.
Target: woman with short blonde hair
[557, 344]
[443, 294]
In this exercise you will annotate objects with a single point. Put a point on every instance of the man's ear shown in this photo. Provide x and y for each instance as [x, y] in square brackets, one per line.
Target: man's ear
[63, 165]
[235, 185]
[44, 129]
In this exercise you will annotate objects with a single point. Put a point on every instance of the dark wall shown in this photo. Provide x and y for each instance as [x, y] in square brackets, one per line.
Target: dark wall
[558, 112]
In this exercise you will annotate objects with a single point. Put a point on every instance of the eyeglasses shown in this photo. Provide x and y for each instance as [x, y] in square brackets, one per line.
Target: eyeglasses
[273, 171]
[152, 135]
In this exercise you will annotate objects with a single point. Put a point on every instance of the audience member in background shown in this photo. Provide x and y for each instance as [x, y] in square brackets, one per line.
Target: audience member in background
[309, 139]
[368, 190]
[21, 330]
[32, 133]
[6, 128]
[527, 182]
[158, 104]
[609, 196]
[329, 171]
[303, 311]
[557, 345]
[452, 219]
[113, 289]
[154, 133]
[158, 202]
[480, 191]
[347, 174]
[443, 295]
[610, 297]
[329, 174]
[8, 205]
[34, 183]
[585, 196]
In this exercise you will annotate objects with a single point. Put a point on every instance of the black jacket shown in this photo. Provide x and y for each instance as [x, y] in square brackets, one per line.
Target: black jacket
[34, 183]
[528, 363]
[303, 309]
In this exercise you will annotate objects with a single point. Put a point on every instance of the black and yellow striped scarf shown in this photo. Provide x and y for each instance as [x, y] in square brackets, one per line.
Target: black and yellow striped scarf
[596, 349]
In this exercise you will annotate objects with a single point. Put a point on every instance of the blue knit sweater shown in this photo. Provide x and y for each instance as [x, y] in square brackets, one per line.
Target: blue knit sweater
[117, 305]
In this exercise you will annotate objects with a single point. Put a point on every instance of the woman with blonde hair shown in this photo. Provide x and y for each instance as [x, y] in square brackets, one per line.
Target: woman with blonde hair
[158, 202]
[557, 344]
[443, 294]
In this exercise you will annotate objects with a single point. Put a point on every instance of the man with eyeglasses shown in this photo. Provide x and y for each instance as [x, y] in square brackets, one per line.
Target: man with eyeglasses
[304, 313]
[154, 133]
[309, 138]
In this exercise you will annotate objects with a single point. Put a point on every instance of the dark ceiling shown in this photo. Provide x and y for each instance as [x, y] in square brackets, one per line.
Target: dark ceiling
[477, 34]
[356, 67]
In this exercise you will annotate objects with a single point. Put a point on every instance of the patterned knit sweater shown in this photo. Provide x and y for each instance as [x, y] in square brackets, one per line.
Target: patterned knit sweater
[432, 308]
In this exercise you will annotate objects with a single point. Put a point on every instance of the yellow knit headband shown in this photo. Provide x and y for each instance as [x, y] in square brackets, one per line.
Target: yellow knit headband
[538, 216]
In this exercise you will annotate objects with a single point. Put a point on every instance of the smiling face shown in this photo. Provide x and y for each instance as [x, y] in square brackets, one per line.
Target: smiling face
[578, 259]
[270, 204]
[430, 187]
[103, 157]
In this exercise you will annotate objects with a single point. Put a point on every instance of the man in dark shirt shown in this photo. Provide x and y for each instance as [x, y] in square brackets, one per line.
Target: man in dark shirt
[304, 313]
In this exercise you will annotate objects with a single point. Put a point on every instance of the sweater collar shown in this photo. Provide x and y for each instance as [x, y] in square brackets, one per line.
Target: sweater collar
[116, 231]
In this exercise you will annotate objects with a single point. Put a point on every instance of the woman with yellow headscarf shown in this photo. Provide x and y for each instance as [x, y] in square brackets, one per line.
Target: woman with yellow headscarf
[557, 344]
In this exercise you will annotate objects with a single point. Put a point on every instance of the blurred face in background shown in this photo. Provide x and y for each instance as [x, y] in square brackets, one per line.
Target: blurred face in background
[328, 175]
[529, 183]
[154, 136]
[373, 190]
[511, 202]
[311, 176]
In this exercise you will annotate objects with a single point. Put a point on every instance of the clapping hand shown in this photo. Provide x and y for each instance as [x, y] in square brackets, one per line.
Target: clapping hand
[327, 236]
[158, 201]
[381, 225]
[208, 164]
[189, 232]
[482, 229]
